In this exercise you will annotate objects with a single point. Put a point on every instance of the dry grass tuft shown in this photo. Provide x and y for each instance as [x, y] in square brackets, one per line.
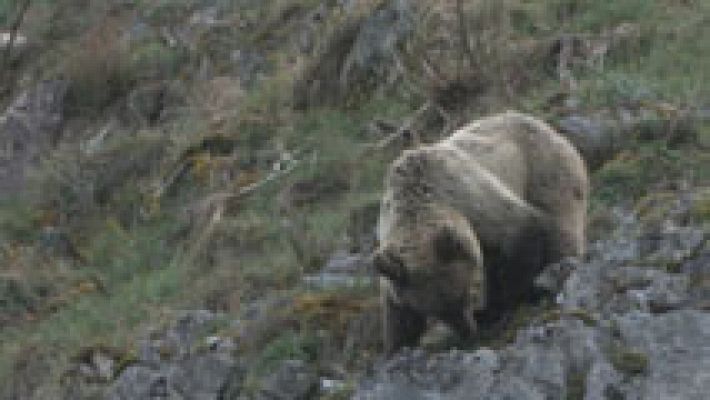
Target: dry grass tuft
[98, 68]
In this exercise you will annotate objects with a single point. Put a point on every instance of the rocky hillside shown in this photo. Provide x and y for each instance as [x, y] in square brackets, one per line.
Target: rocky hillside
[188, 193]
[629, 322]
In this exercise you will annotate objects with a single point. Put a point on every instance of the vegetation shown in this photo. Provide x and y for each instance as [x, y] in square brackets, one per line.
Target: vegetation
[187, 208]
[629, 361]
[576, 384]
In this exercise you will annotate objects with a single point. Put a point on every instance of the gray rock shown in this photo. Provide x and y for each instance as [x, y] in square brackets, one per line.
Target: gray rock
[327, 280]
[374, 48]
[597, 137]
[393, 389]
[622, 328]
[345, 262]
[667, 292]
[583, 290]
[553, 361]
[178, 340]
[342, 269]
[600, 135]
[676, 346]
[292, 380]
[29, 127]
[698, 272]
[200, 377]
[179, 363]
[140, 383]
[616, 289]
[105, 366]
[672, 244]
[311, 27]
[602, 381]
[249, 64]
[620, 246]
[626, 330]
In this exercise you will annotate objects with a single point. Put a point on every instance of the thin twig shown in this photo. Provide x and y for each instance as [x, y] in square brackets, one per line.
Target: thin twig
[407, 125]
[218, 203]
[179, 171]
[222, 197]
[200, 242]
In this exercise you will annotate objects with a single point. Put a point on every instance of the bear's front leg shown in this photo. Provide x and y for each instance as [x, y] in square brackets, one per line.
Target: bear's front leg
[463, 322]
[402, 325]
[461, 316]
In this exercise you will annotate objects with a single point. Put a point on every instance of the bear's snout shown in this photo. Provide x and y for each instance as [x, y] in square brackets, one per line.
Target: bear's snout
[389, 265]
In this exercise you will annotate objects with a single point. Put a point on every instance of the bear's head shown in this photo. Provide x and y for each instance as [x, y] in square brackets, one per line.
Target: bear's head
[434, 266]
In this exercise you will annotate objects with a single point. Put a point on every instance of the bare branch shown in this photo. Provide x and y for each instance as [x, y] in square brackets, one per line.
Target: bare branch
[217, 204]
[405, 127]
[223, 197]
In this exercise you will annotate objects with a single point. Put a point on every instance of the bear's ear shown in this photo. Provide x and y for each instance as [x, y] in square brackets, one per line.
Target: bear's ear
[448, 246]
[389, 266]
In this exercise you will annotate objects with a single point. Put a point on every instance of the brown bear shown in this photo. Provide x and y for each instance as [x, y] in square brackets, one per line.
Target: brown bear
[466, 223]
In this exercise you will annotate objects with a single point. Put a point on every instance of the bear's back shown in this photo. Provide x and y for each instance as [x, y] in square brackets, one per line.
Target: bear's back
[523, 152]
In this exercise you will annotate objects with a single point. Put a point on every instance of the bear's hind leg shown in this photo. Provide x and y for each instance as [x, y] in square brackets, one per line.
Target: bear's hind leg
[402, 326]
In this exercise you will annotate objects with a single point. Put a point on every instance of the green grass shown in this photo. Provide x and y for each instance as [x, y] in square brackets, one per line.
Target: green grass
[629, 361]
[93, 319]
[18, 220]
[576, 385]
[633, 173]
[669, 63]
[288, 346]
[137, 272]
[143, 277]
[595, 15]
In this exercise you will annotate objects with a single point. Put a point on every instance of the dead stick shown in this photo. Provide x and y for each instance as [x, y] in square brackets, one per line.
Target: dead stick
[406, 125]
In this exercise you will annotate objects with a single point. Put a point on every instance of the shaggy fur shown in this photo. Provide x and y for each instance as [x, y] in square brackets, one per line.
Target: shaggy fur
[466, 223]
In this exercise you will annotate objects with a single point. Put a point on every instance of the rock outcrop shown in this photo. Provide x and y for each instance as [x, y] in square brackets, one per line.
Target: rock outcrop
[630, 321]
[29, 127]
[184, 361]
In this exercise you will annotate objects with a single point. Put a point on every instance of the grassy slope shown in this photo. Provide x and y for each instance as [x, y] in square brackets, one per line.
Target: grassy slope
[145, 269]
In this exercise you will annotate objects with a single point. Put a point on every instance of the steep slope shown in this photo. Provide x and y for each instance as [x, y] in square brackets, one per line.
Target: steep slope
[227, 156]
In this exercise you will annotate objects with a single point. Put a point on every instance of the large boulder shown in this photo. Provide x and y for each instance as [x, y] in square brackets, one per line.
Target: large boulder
[183, 361]
[597, 137]
[360, 52]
